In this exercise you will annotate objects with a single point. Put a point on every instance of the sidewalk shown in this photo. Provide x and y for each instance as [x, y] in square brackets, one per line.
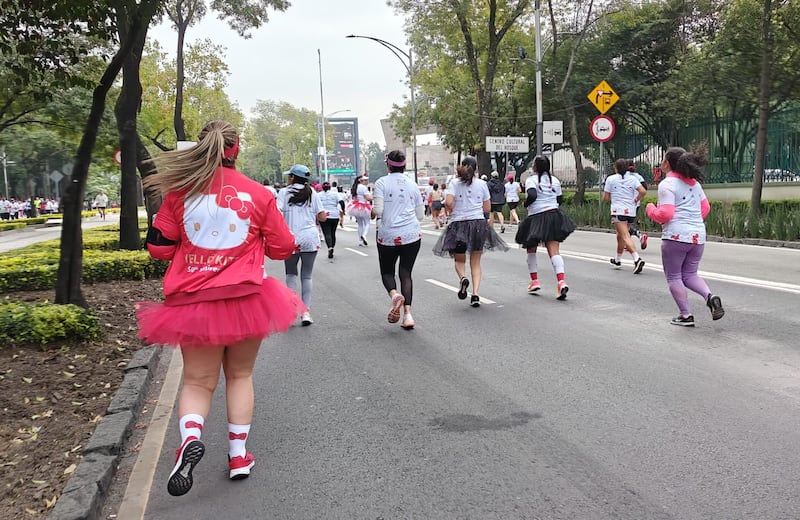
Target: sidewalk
[19, 238]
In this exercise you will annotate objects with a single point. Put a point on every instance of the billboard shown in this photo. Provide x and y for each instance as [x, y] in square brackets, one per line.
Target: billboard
[344, 157]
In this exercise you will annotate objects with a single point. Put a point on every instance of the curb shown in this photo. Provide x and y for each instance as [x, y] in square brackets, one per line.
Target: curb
[85, 492]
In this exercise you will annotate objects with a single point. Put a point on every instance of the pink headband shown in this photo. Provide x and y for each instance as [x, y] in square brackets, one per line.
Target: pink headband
[232, 152]
[395, 163]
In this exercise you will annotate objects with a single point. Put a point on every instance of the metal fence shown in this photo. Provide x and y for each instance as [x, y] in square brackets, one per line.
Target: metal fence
[731, 143]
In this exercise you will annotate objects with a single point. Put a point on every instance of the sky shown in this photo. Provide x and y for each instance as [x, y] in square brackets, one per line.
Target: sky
[280, 61]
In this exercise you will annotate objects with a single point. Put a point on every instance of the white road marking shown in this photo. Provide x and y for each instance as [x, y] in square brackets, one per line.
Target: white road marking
[455, 289]
[356, 251]
[741, 280]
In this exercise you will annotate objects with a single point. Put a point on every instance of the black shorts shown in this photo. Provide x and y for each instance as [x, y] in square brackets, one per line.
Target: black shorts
[622, 218]
[497, 208]
[513, 205]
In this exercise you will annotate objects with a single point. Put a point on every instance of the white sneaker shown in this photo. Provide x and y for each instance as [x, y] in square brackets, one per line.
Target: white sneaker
[408, 321]
[305, 319]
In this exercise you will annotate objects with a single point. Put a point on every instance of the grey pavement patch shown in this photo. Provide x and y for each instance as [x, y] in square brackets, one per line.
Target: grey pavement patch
[85, 492]
[461, 423]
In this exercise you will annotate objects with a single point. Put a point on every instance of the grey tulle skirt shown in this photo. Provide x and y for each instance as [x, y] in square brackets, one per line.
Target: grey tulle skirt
[548, 226]
[464, 236]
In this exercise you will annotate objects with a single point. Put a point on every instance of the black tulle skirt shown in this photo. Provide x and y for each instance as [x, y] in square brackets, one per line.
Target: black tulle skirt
[467, 236]
[548, 226]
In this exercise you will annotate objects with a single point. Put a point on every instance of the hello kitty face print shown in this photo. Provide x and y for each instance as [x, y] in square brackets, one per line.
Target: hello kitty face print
[218, 221]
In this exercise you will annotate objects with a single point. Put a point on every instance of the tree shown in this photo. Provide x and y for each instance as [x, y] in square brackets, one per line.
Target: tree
[278, 134]
[242, 16]
[482, 27]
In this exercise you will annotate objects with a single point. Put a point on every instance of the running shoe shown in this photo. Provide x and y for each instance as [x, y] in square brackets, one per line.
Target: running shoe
[475, 301]
[397, 304]
[330, 252]
[186, 458]
[643, 241]
[715, 304]
[638, 266]
[502, 229]
[615, 262]
[534, 286]
[364, 241]
[563, 288]
[305, 319]
[240, 466]
[408, 321]
[682, 321]
[462, 291]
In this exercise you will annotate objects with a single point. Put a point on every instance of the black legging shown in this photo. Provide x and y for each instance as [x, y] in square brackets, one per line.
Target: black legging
[387, 258]
[329, 231]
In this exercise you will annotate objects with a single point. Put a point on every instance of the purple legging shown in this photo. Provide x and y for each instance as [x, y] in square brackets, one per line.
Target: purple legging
[681, 261]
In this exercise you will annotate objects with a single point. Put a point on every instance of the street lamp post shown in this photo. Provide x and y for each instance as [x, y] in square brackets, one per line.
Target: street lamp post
[6, 162]
[538, 43]
[400, 54]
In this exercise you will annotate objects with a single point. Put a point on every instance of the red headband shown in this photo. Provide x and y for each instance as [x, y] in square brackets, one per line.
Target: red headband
[395, 163]
[232, 152]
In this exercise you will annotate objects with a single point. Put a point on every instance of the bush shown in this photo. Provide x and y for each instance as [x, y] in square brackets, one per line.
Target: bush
[42, 323]
[8, 226]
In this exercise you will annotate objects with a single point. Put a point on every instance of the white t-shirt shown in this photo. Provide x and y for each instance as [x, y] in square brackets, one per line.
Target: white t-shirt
[687, 224]
[330, 201]
[468, 198]
[547, 193]
[302, 218]
[623, 191]
[397, 224]
[361, 192]
[512, 191]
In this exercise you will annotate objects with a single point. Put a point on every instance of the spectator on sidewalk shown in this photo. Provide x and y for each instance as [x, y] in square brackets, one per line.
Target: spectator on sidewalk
[215, 225]
[100, 203]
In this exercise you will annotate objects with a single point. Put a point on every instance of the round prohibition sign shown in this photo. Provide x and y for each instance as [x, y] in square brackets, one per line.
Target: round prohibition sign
[602, 129]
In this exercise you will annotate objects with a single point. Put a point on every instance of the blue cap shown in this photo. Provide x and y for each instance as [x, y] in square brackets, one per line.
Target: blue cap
[298, 170]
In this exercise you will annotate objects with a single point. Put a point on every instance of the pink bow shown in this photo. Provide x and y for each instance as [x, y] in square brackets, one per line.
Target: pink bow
[237, 436]
[229, 198]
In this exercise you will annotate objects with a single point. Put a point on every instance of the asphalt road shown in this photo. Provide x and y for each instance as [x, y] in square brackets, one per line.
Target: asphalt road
[527, 407]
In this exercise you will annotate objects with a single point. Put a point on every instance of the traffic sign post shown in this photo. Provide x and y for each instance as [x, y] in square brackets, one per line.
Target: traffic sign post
[507, 144]
[602, 129]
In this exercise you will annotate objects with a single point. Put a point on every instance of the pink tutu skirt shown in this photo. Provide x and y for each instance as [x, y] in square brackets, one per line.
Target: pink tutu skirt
[221, 322]
[358, 209]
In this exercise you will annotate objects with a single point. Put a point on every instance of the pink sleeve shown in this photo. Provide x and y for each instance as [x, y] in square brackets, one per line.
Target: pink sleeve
[164, 223]
[705, 208]
[662, 213]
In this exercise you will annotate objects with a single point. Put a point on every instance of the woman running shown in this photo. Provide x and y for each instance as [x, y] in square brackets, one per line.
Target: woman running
[624, 191]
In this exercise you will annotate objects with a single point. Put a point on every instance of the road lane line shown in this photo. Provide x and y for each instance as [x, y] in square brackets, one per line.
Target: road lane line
[455, 289]
[740, 280]
[356, 251]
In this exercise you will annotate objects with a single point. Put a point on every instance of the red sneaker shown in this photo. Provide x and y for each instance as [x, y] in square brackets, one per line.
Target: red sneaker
[643, 240]
[240, 466]
[534, 286]
[186, 458]
[562, 290]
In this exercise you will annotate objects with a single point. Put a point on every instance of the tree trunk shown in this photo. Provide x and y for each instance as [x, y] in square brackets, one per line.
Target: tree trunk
[763, 110]
[126, 110]
[180, 128]
[70, 266]
[580, 177]
[152, 199]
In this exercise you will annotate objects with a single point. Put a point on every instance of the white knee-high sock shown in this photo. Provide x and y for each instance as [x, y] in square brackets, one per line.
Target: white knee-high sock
[558, 264]
[237, 437]
[533, 265]
[191, 425]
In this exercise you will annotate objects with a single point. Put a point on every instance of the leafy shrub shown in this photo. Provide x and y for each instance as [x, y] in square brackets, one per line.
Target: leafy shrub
[8, 226]
[42, 323]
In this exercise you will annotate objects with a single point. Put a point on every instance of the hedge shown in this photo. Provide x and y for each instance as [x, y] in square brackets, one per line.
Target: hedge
[41, 323]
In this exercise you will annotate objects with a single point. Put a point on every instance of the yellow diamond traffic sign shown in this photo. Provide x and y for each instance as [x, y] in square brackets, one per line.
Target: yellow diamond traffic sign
[603, 97]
